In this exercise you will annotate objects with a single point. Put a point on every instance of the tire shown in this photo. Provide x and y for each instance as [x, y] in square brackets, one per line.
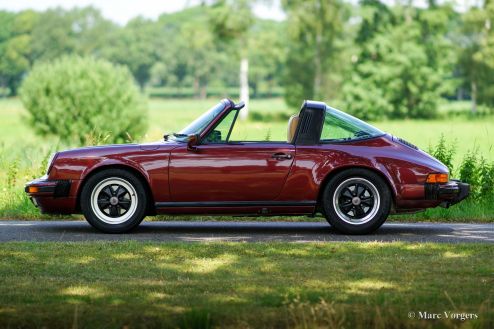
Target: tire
[356, 201]
[114, 201]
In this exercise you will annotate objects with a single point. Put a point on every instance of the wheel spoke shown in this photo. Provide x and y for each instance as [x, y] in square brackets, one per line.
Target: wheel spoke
[113, 211]
[368, 201]
[347, 193]
[103, 203]
[360, 189]
[120, 192]
[125, 204]
[362, 209]
[346, 207]
[358, 211]
[107, 190]
[346, 202]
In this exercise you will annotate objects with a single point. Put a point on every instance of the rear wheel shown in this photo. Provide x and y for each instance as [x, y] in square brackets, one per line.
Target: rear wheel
[356, 201]
[114, 201]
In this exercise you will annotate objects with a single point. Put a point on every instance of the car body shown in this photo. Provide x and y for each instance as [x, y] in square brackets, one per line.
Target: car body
[202, 171]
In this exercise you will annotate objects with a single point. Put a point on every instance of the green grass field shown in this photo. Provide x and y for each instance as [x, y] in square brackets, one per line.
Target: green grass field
[22, 152]
[267, 115]
[236, 285]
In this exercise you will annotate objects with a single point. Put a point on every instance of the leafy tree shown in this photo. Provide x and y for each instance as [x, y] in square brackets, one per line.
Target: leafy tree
[188, 55]
[134, 47]
[75, 98]
[232, 31]
[267, 56]
[200, 57]
[313, 27]
[477, 56]
[53, 35]
[15, 47]
[402, 65]
[29, 36]
[91, 31]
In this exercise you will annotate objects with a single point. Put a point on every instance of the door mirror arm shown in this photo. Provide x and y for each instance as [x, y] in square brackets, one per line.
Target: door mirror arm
[192, 142]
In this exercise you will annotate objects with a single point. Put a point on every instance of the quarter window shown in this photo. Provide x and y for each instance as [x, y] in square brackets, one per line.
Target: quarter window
[339, 126]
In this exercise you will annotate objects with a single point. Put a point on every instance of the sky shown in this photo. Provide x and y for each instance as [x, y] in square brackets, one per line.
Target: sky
[121, 11]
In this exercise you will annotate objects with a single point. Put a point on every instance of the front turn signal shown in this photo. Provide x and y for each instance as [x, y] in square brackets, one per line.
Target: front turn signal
[32, 189]
[437, 178]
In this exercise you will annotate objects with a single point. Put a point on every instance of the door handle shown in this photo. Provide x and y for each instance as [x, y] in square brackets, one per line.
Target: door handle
[281, 156]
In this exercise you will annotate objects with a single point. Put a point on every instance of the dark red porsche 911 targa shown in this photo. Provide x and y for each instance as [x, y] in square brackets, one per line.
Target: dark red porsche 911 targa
[331, 162]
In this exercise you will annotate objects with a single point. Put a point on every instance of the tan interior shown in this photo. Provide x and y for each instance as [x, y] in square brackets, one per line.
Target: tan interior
[292, 127]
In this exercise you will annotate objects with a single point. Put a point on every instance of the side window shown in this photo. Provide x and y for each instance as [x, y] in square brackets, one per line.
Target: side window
[221, 132]
[336, 129]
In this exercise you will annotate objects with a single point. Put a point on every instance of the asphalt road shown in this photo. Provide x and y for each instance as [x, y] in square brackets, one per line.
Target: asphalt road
[244, 232]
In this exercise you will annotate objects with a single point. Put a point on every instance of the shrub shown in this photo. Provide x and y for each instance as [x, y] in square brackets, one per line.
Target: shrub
[486, 172]
[474, 170]
[72, 97]
[444, 153]
[469, 172]
[479, 174]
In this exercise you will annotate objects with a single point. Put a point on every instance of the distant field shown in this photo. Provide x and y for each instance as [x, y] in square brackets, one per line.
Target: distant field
[268, 119]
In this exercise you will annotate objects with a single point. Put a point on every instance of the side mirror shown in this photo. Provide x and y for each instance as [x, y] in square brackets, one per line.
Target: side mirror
[192, 142]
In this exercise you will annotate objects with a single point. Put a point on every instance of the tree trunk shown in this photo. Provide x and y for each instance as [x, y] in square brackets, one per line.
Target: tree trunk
[318, 68]
[317, 60]
[204, 91]
[474, 97]
[196, 87]
[244, 87]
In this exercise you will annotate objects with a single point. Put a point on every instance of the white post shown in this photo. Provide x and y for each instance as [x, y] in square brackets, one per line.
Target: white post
[244, 87]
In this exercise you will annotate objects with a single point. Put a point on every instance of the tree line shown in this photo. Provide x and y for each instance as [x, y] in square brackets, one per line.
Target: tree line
[372, 59]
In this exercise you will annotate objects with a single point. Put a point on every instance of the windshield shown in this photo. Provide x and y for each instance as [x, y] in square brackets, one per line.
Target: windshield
[339, 126]
[199, 124]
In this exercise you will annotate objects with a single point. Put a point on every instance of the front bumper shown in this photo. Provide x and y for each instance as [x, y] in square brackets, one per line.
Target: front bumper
[53, 196]
[44, 187]
[449, 193]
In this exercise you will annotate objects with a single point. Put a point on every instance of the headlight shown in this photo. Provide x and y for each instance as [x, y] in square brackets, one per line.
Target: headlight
[50, 162]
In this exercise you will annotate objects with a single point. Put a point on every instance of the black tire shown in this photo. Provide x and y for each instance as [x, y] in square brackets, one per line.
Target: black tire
[108, 214]
[355, 209]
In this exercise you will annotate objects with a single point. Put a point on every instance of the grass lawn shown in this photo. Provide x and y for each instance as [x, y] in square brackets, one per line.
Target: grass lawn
[238, 285]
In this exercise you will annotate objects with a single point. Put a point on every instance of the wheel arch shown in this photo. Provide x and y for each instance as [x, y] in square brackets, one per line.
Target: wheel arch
[150, 210]
[338, 170]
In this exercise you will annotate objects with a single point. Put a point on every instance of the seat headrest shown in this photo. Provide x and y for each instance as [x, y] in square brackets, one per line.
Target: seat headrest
[292, 127]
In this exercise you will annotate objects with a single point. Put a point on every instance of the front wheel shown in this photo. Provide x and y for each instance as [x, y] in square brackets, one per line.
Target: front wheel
[356, 201]
[114, 201]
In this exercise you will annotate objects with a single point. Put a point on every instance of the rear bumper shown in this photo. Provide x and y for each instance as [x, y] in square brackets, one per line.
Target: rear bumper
[51, 196]
[449, 194]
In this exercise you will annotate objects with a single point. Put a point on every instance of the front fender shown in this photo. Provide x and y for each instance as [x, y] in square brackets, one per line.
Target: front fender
[151, 165]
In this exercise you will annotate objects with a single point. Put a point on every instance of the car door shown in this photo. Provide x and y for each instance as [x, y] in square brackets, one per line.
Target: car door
[241, 171]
